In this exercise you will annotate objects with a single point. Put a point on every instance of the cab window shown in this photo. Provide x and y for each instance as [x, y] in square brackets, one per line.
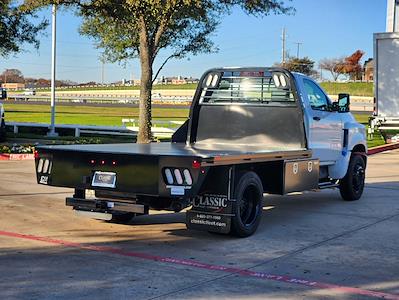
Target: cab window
[317, 99]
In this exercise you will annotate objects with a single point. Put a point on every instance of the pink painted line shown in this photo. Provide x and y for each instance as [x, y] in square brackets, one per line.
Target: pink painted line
[194, 264]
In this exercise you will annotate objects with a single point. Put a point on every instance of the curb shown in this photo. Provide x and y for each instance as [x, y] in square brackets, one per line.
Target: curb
[12, 156]
[383, 148]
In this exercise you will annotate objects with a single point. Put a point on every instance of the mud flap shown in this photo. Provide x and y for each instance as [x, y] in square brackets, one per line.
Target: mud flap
[213, 208]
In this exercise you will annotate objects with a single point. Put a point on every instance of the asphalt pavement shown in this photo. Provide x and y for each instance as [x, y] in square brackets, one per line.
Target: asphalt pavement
[309, 245]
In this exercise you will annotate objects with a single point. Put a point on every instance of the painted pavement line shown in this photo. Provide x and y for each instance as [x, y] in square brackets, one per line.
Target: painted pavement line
[199, 265]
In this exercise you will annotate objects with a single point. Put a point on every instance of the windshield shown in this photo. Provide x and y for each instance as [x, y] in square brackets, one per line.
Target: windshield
[246, 88]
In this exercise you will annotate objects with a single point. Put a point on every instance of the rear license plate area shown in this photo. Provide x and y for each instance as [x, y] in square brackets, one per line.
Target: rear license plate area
[104, 179]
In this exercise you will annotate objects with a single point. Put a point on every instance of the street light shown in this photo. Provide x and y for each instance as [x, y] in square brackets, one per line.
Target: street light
[52, 132]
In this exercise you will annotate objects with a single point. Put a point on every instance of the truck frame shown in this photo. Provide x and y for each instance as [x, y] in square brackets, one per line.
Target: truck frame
[249, 132]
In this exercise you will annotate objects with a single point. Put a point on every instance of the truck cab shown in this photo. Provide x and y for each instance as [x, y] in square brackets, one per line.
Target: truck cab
[332, 132]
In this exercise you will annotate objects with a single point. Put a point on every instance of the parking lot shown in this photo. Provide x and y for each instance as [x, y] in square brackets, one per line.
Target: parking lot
[309, 246]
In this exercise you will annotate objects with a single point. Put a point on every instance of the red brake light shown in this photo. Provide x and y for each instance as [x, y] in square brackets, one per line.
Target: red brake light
[196, 164]
[36, 154]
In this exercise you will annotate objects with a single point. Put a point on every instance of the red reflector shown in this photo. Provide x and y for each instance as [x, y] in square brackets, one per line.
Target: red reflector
[196, 164]
[36, 154]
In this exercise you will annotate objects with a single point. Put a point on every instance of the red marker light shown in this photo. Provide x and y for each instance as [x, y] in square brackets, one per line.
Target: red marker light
[114, 163]
[196, 164]
[92, 161]
[36, 154]
[103, 162]
[202, 171]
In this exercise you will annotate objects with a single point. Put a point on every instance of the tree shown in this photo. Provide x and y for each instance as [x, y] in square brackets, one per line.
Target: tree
[352, 66]
[12, 75]
[302, 65]
[16, 28]
[334, 65]
[128, 29]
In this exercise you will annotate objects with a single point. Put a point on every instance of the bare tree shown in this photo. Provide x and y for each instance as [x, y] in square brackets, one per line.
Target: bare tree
[336, 66]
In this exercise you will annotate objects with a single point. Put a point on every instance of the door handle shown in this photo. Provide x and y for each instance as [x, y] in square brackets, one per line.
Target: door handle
[316, 118]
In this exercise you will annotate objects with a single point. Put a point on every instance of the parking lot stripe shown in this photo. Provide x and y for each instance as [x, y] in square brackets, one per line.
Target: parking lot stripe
[195, 264]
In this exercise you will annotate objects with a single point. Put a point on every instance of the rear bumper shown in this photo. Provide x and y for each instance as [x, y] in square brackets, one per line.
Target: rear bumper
[109, 206]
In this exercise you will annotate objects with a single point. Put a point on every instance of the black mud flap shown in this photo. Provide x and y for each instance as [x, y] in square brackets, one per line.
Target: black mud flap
[211, 213]
[213, 208]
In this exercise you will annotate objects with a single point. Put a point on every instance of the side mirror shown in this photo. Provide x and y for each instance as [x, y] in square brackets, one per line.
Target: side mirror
[343, 103]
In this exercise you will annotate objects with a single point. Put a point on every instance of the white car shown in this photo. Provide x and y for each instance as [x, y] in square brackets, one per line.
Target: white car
[29, 92]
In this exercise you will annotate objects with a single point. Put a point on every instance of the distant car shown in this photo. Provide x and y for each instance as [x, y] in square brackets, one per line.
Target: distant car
[2, 124]
[29, 92]
[3, 93]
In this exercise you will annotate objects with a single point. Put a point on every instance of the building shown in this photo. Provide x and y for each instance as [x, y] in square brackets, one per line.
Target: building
[178, 80]
[368, 70]
[13, 86]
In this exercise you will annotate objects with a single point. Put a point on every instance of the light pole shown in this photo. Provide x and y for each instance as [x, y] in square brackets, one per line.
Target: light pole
[52, 132]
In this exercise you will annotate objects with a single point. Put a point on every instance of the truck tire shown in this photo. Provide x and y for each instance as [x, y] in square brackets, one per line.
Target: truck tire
[352, 185]
[248, 208]
[122, 218]
[2, 131]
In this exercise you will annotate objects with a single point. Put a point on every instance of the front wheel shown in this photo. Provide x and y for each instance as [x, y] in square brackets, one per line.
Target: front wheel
[352, 185]
[248, 207]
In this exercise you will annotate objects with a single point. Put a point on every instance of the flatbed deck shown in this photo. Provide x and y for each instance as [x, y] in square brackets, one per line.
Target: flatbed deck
[221, 155]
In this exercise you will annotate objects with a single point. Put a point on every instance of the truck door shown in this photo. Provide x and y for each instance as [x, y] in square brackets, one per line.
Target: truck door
[325, 127]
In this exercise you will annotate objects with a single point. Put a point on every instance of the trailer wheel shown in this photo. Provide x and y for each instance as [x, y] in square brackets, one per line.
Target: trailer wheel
[122, 218]
[352, 185]
[248, 208]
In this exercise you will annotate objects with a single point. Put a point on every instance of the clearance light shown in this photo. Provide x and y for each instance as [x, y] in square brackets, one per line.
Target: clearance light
[196, 164]
[169, 176]
[178, 177]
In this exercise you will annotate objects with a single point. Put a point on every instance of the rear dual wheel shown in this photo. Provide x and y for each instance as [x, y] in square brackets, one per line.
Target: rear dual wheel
[248, 208]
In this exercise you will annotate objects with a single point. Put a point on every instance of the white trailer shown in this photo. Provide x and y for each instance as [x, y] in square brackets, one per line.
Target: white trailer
[386, 74]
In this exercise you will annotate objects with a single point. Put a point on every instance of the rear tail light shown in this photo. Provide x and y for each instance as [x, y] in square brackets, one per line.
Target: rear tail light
[187, 177]
[169, 176]
[40, 165]
[44, 166]
[178, 177]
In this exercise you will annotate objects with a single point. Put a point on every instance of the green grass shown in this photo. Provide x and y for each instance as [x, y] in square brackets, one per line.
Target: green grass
[352, 88]
[85, 115]
[111, 116]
